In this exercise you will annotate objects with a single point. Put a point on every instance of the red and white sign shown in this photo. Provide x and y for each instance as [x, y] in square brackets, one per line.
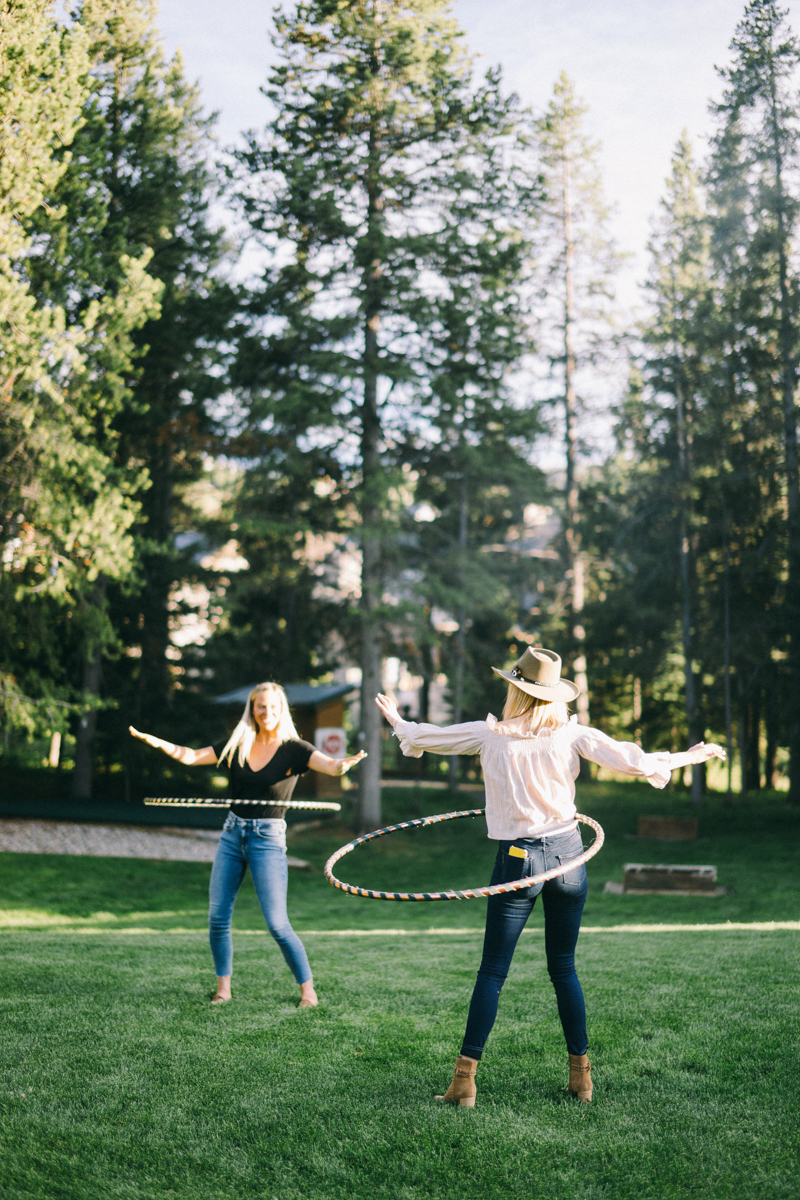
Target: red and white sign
[331, 741]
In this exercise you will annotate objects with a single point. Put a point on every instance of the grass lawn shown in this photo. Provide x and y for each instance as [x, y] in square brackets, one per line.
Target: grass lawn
[119, 1080]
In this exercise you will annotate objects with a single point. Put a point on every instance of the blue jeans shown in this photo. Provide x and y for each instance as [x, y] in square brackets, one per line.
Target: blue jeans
[259, 844]
[563, 899]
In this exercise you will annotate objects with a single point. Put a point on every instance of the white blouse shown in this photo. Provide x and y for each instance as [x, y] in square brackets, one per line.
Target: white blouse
[530, 777]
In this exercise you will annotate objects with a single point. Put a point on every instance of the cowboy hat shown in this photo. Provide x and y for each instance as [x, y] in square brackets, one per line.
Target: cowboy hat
[538, 673]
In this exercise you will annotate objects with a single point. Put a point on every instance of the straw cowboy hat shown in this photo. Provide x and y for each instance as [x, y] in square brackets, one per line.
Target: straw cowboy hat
[538, 673]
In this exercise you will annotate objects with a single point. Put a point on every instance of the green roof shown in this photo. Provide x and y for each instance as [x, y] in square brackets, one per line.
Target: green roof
[301, 694]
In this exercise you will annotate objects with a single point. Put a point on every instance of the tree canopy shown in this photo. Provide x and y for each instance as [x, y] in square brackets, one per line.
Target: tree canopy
[329, 454]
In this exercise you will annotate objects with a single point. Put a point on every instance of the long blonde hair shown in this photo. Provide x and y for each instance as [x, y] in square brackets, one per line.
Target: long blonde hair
[542, 714]
[245, 732]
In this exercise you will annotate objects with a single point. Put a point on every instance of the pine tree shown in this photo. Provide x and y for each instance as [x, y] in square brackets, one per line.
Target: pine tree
[575, 271]
[689, 519]
[754, 158]
[382, 169]
[678, 366]
[133, 228]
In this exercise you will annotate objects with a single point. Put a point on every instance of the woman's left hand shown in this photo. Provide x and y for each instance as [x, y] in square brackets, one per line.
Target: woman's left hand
[703, 751]
[388, 708]
[334, 766]
[344, 764]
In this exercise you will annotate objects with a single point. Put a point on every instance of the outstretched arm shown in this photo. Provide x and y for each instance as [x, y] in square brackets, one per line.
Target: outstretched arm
[334, 766]
[415, 738]
[630, 759]
[700, 753]
[183, 754]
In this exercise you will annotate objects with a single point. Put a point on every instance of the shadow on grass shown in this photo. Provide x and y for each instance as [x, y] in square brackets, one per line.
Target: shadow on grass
[753, 846]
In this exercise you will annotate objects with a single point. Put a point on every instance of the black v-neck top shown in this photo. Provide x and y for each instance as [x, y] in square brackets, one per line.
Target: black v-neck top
[274, 783]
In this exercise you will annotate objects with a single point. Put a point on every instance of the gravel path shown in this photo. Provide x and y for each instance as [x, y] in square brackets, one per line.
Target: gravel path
[113, 841]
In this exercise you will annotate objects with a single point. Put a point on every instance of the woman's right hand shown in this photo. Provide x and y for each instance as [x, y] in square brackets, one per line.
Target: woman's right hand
[143, 737]
[388, 708]
[703, 751]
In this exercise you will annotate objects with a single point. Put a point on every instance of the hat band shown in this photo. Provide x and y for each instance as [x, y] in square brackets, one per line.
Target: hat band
[517, 674]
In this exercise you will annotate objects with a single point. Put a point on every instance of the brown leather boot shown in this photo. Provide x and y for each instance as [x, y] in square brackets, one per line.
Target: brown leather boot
[580, 1077]
[462, 1090]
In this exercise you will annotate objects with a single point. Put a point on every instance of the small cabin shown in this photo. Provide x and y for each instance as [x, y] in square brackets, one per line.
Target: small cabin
[318, 714]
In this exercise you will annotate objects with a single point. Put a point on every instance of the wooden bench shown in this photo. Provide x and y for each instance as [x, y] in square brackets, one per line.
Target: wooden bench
[668, 829]
[661, 877]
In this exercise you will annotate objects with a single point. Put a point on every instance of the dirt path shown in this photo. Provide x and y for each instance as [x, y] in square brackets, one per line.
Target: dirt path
[112, 841]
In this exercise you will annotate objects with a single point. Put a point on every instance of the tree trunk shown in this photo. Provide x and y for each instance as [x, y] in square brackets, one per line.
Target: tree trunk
[458, 690]
[87, 723]
[787, 339]
[771, 727]
[726, 600]
[637, 711]
[575, 560]
[684, 466]
[754, 743]
[427, 669]
[153, 686]
[371, 734]
[743, 734]
[87, 726]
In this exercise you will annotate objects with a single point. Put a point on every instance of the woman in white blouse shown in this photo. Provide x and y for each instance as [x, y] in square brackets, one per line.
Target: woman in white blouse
[530, 762]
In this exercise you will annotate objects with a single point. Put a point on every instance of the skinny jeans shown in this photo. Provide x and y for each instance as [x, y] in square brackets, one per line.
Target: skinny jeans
[563, 899]
[259, 844]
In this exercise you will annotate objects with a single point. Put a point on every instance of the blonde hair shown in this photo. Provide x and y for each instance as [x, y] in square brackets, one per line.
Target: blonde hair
[542, 714]
[245, 732]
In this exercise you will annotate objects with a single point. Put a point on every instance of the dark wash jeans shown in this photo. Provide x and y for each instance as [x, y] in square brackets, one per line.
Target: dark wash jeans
[563, 899]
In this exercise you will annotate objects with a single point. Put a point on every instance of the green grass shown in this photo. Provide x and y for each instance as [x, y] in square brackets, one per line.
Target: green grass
[119, 1080]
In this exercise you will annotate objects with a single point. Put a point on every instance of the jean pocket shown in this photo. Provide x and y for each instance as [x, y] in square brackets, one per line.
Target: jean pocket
[574, 878]
[514, 869]
[271, 837]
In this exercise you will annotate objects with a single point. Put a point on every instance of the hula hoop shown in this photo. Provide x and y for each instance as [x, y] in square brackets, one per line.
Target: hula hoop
[469, 894]
[220, 802]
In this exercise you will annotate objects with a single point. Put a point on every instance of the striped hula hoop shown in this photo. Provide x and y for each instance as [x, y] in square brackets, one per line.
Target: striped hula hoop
[220, 802]
[469, 894]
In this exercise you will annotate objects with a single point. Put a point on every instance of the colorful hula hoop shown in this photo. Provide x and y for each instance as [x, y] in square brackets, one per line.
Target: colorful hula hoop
[471, 893]
[220, 802]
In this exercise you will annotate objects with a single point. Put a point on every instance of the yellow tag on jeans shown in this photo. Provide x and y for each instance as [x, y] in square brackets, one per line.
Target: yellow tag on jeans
[515, 852]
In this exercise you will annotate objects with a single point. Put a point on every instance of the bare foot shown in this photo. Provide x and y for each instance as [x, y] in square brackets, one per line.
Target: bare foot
[308, 997]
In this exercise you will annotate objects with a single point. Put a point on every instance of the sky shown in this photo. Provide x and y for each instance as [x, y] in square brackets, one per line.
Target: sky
[646, 69]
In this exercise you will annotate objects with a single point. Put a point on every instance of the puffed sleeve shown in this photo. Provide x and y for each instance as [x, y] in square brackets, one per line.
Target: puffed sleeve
[626, 757]
[448, 739]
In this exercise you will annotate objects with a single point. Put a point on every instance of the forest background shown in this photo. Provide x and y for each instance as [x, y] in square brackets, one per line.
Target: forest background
[280, 412]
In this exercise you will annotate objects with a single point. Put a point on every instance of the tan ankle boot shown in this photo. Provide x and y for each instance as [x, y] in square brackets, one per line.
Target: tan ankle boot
[580, 1077]
[462, 1090]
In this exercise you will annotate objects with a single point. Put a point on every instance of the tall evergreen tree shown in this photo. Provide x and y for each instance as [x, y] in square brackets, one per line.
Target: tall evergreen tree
[753, 170]
[385, 186]
[678, 367]
[575, 273]
[135, 195]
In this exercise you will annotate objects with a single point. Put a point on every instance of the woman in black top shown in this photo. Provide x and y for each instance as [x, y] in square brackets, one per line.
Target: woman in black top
[264, 757]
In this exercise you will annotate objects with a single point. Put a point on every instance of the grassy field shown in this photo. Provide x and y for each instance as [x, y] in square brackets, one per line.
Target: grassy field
[119, 1080]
